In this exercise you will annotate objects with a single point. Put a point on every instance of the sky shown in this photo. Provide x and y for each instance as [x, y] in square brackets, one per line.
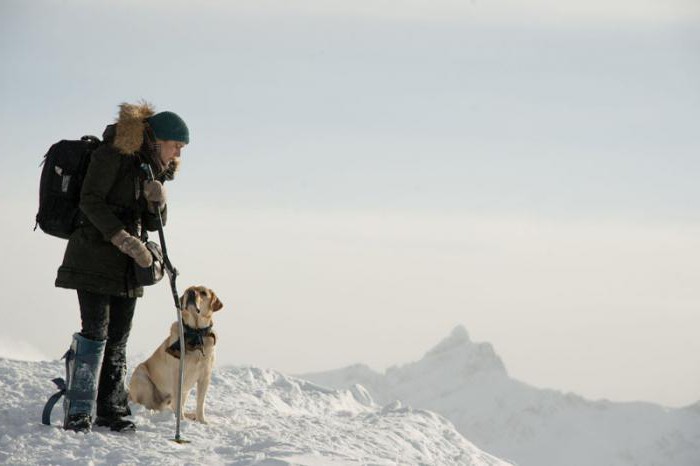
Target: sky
[364, 176]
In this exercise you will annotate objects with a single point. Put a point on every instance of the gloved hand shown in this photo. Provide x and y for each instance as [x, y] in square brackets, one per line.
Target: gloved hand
[132, 247]
[155, 192]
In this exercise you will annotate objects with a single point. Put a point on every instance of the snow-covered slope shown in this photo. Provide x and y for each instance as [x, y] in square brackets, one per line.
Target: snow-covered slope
[467, 383]
[256, 417]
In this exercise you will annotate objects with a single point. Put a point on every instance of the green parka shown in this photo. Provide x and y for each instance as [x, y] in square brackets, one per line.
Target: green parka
[111, 200]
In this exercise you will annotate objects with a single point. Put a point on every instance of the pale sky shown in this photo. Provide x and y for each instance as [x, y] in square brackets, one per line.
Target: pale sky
[363, 176]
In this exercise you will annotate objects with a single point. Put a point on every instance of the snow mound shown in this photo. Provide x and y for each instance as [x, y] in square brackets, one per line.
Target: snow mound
[256, 417]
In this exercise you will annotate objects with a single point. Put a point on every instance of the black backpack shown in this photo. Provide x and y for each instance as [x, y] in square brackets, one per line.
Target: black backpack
[62, 175]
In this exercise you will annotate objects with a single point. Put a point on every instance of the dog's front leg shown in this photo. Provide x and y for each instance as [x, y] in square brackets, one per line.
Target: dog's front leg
[202, 387]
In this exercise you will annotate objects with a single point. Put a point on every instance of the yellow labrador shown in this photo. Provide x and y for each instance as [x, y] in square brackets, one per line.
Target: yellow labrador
[154, 382]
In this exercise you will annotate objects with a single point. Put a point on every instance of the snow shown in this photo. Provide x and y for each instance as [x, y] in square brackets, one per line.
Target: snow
[467, 383]
[256, 417]
[426, 412]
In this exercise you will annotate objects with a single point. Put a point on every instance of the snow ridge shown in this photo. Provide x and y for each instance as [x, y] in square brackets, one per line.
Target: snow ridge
[467, 383]
[256, 417]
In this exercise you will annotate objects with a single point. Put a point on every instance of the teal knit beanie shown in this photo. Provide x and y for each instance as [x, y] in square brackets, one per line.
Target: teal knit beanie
[168, 126]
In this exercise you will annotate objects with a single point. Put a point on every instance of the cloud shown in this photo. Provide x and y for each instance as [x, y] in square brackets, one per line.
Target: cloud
[516, 11]
[526, 12]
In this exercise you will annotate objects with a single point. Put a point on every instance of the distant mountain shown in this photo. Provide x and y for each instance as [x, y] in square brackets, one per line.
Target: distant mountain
[256, 417]
[467, 382]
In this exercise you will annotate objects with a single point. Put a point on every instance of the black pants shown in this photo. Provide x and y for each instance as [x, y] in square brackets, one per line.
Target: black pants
[109, 318]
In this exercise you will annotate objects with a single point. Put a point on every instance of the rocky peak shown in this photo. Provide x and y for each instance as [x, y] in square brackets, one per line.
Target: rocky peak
[458, 349]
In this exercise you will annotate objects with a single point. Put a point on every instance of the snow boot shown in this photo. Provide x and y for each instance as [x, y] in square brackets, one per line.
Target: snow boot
[112, 394]
[117, 424]
[83, 362]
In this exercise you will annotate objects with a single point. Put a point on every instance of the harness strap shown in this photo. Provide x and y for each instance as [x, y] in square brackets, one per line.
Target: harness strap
[194, 340]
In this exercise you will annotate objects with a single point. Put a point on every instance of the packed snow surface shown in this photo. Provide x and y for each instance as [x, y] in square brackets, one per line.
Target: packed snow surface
[256, 417]
[468, 383]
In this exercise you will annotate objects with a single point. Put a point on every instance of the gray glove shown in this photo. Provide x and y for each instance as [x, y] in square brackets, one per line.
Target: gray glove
[132, 247]
[155, 193]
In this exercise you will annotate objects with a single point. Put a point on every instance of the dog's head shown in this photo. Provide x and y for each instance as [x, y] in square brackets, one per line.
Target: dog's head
[200, 303]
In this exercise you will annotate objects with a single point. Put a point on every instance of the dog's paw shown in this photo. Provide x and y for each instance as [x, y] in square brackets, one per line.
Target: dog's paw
[194, 417]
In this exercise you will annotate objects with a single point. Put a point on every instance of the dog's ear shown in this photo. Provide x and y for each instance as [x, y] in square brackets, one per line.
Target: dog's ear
[182, 301]
[216, 303]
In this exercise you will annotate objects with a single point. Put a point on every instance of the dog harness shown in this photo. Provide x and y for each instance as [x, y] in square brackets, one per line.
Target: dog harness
[194, 340]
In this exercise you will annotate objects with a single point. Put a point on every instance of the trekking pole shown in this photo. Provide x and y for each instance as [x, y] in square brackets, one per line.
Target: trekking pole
[172, 276]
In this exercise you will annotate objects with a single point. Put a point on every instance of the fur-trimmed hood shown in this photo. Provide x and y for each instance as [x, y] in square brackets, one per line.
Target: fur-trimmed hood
[130, 126]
